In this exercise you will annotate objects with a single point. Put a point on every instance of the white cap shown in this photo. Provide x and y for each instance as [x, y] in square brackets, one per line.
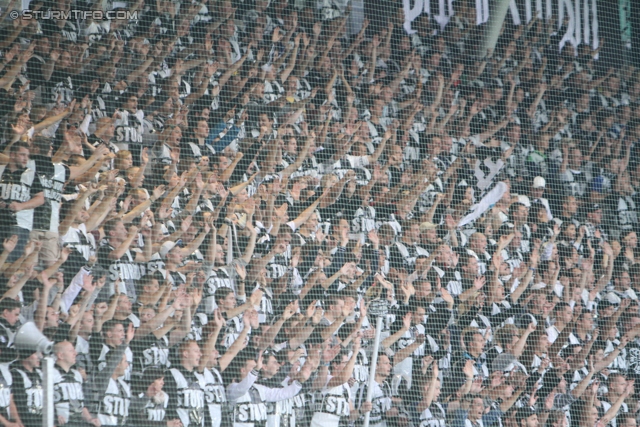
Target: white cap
[524, 200]
[166, 248]
[539, 182]
[613, 298]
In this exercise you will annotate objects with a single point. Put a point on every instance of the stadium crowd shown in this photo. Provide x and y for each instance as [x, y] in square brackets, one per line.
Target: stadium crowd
[208, 206]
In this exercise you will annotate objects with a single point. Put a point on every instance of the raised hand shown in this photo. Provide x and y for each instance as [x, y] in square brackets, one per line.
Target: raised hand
[629, 388]
[196, 296]
[311, 309]
[406, 320]
[290, 310]
[468, 369]
[479, 282]
[10, 244]
[363, 309]
[186, 223]
[256, 297]
[159, 191]
[218, 319]
[408, 289]
[317, 315]
[64, 254]
[330, 353]
[30, 247]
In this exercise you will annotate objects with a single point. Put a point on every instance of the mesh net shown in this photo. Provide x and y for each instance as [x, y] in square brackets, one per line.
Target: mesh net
[273, 213]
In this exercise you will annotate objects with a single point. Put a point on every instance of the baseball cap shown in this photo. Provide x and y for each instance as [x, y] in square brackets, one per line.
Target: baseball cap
[609, 300]
[506, 362]
[165, 248]
[539, 182]
[603, 304]
[524, 200]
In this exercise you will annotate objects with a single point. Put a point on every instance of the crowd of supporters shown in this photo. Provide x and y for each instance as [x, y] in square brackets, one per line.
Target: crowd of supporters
[208, 205]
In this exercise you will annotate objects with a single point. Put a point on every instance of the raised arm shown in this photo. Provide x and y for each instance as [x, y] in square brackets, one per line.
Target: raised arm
[226, 174]
[73, 212]
[542, 87]
[159, 319]
[613, 410]
[284, 75]
[273, 331]
[343, 376]
[582, 385]
[234, 349]
[406, 323]
[401, 355]
[425, 403]
[177, 335]
[306, 214]
[518, 348]
[376, 155]
[253, 300]
[138, 210]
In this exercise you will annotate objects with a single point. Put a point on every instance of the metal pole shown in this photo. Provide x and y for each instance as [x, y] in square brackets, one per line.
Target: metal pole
[494, 25]
[372, 370]
[48, 404]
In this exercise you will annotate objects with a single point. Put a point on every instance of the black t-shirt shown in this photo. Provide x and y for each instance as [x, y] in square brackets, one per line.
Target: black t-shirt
[190, 149]
[68, 395]
[187, 397]
[345, 207]
[125, 268]
[96, 347]
[27, 390]
[34, 71]
[620, 213]
[150, 351]
[99, 350]
[69, 31]
[17, 186]
[60, 82]
[52, 178]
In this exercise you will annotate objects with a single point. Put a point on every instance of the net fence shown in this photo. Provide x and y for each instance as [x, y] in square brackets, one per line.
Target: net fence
[336, 213]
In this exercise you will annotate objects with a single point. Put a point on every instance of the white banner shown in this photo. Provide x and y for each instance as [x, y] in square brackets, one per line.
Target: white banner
[582, 16]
